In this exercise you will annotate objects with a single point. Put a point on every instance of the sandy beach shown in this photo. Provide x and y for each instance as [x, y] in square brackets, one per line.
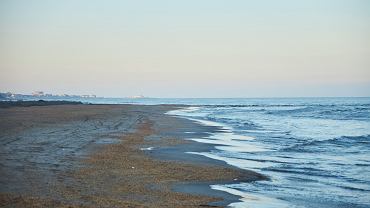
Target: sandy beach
[108, 156]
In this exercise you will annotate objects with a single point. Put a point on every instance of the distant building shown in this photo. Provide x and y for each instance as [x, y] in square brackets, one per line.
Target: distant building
[38, 93]
[137, 96]
[88, 96]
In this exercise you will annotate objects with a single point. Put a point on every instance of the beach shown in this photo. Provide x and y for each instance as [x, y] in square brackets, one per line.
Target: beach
[83, 155]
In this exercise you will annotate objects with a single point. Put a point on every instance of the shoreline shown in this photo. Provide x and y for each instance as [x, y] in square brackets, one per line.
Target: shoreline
[139, 126]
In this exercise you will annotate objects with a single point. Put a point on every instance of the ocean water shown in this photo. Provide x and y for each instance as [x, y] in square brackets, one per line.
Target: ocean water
[316, 151]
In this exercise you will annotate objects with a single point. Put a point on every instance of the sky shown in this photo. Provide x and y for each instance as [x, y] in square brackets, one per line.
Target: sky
[192, 48]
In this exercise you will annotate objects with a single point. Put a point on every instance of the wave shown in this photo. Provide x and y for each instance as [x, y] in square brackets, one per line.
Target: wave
[304, 148]
[325, 111]
[360, 106]
[251, 105]
[344, 142]
[295, 169]
[236, 123]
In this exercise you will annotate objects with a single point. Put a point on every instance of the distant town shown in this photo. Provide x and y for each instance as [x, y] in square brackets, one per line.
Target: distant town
[40, 95]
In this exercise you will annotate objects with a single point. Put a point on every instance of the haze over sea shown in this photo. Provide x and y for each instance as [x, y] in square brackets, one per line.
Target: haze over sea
[315, 150]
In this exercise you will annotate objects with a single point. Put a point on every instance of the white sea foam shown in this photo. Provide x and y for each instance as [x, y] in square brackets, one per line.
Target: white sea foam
[252, 200]
[240, 163]
[227, 139]
[212, 123]
[147, 148]
[182, 111]
[231, 142]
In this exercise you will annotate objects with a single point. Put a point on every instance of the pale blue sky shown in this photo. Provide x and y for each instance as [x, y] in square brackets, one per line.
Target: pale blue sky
[193, 48]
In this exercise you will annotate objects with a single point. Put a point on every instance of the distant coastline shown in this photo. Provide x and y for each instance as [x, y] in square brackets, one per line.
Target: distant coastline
[40, 95]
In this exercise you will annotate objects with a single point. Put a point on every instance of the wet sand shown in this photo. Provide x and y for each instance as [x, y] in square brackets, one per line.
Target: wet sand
[98, 156]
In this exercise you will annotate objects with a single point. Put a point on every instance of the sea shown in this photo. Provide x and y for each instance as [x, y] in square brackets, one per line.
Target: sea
[316, 151]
